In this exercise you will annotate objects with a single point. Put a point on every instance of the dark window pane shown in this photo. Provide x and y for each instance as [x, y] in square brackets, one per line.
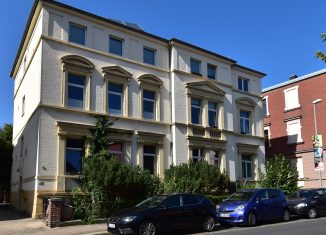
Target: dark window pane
[211, 106]
[212, 119]
[78, 80]
[74, 156]
[239, 83]
[149, 94]
[148, 109]
[114, 103]
[149, 149]
[75, 143]
[211, 71]
[195, 102]
[264, 107]
[75, 97]
[195, 115]
[115, 46]
[149, 56]
[115, 87]
[149, 163]
[245, 85]
[77, 34]
[244, 114]
[195, 152]
[195, 66]
[191, 199]
[172, 201]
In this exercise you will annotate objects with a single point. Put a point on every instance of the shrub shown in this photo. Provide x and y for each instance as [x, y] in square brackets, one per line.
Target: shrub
[194, 177]
[280, 174]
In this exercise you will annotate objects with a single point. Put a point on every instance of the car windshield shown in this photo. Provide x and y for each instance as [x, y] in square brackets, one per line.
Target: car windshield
[152, 201]
[241, 196]
[305, 194]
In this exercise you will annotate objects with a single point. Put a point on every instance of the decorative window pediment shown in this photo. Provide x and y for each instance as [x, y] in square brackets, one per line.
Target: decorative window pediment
[77, 63]
[246, 103]
[150, 80]
[116, 71]
[149, 137]
[205, 89]
[247, 148]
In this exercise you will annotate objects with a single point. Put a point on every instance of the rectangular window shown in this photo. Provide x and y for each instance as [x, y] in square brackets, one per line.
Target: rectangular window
[148, 104]
[243, 84]
[195, 111]
[212, 114]
[116, 149]
[244, 122]
[267, 137]
[76, 91]
[149, 158]
[197, 155]
[291, 98]
[214, 158]
[115, 46]
[77, 34]
[293, 129]
[211, 71]
[149, 56]
[195, 66]
[74, 156]
[23, 106]
[115, 98]
[265, 106]
[246, 166]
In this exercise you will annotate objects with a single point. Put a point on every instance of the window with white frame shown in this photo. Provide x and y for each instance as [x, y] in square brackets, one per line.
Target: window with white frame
[196, 111]
[267, 136]
[77, 34]
[244, 122]
[116, 149]
[265, 106]
[212, 114]
[214, 158]
[293, 129]
[76, 91]
[197, 154]
[115, 98]
[211, 71]
[246, 161]
[298, 163]
[243, 84]
[148, 104]
[149, 158]
[291, 98]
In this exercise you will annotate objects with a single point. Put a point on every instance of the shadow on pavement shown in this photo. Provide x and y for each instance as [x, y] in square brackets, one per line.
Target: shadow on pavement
[7, 213]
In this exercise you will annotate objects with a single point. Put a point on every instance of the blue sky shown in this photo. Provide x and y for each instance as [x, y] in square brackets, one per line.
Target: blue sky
[275, 37]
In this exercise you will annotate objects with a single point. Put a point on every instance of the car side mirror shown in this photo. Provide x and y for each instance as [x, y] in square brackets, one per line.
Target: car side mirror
[258, 200]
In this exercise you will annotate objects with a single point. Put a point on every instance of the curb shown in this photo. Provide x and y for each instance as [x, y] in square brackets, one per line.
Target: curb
[97, 233]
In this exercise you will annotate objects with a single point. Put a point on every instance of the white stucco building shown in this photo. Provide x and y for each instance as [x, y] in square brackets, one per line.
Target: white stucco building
[171, 102]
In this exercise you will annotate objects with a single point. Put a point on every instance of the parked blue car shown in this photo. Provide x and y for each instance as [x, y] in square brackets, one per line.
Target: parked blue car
[253, 205]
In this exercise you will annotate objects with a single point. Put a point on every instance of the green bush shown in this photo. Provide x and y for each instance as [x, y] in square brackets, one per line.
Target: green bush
[192, 177]
[280, 174]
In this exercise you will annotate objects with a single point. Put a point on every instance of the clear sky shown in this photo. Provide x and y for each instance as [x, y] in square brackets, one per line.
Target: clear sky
[277, 37]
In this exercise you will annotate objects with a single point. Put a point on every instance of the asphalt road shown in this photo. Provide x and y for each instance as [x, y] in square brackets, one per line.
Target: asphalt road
[294, 227]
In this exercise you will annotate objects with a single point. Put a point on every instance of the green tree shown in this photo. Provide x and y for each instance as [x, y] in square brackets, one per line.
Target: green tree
[107, 185]
[5, 158]
[201, 177]
[320, 55]
[280, 173]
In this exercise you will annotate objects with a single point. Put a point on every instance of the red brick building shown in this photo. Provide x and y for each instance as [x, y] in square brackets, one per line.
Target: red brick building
[289, 122]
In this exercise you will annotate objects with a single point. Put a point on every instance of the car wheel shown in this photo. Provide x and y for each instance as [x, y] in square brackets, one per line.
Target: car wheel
[286, 216]
[208, 224]
[147, 228]
[252, 219]
[312, 213]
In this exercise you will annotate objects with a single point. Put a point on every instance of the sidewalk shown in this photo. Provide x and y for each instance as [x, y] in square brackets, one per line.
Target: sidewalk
[12, 222]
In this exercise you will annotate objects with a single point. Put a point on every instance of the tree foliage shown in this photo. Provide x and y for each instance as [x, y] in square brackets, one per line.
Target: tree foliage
[5, 157]
[280, 174]
[107, 185]
[320, 55]
[192, 177]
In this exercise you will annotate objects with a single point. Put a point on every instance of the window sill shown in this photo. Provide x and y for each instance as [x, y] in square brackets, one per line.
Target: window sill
[292, 109]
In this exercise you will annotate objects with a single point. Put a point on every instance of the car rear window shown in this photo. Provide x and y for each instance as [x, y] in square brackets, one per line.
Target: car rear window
[190, 199]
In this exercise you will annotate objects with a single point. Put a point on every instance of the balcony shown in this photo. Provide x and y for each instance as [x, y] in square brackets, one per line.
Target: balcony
[207, 132]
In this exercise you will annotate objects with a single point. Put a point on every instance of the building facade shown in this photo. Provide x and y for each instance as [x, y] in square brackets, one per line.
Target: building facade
[289, 122]
[169, 102]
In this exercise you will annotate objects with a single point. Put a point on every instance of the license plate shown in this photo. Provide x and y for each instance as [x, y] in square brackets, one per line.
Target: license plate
[111, 225]
[225, 215]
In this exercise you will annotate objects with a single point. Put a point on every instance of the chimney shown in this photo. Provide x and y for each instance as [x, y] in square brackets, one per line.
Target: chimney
[293, 76]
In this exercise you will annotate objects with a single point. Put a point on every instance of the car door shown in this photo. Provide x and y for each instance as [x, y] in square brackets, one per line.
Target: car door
[191, 210]
[170, 216]
[276, 203]
[321, 201]
[262, 205]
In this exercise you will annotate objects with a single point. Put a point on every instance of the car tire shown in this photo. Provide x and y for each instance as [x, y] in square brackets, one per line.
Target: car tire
[147, 228]
[208, 223]
[312, 213]
[286, 216]
[252, 219]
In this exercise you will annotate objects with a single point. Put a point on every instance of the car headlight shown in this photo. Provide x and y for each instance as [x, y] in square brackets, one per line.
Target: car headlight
[241, 207]
[302, 205]
[128, 219]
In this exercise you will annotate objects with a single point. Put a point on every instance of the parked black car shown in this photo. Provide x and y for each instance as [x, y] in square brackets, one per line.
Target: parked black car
[309, 203]
[165, 213]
